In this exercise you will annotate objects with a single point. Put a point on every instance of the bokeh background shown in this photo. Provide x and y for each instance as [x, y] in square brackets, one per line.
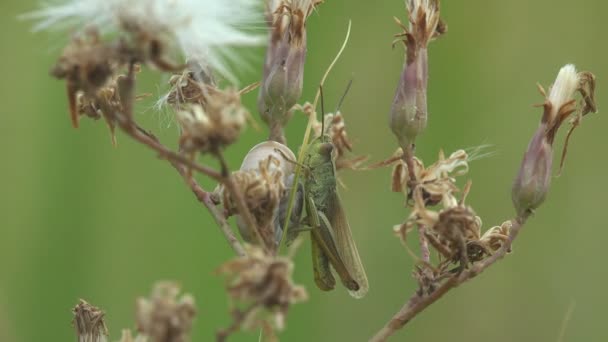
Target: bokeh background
[81, 219]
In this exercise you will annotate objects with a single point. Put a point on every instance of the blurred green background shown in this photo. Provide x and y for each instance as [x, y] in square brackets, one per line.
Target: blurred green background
[81, 219]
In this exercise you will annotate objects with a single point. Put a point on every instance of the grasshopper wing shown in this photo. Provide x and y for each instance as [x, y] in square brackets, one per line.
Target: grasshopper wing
[346, 244]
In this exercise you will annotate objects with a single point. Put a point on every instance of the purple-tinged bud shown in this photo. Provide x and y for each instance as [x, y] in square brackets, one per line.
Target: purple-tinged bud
[408, 116]
[283, 77]
[534, 178]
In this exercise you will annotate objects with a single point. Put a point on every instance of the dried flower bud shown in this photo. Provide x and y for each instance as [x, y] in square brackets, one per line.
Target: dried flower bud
[453, 231]
[165, 316]
[534, 177]
[495, 237]
[85, 64]
[89, 323]
[408, 116]
[218, 124]
[264, 284]
[436, 181]
[284, 66]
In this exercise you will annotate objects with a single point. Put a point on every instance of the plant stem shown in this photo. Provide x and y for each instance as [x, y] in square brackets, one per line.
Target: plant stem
[419, 302]
[201, 194]
[241, 205]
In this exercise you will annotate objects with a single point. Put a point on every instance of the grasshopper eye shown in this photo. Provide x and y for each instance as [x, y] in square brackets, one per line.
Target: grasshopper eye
[326, 149]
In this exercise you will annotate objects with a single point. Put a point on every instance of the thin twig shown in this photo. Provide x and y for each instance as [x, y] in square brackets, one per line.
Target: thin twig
[179, 162]
[164, 152]
[417, 303]
[241, 205]
[408, 158]
[201, 194]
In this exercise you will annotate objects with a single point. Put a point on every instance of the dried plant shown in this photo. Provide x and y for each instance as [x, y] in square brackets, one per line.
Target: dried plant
[275, 195]
[89, 323]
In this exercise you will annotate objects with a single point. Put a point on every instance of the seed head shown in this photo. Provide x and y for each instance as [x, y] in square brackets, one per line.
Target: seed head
[214, 125]
[206, 31]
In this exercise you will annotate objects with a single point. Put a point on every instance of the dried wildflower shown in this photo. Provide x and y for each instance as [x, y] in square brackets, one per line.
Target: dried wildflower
[216, 125]
[85, 64]
[186, 89]
[89, 323]
[335, 128]
[284, 66]
[450, 230]
[200, 30]
[261, 289]
[263, 189]
[264, 159]
[408, 116]
[165, 316]
[534, 177]
[435, 181]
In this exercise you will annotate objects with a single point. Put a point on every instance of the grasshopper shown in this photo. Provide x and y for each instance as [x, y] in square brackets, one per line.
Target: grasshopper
[332, 241]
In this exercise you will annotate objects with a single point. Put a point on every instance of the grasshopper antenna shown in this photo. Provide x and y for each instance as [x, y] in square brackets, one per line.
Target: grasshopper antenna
[322, 110]
[350, 83]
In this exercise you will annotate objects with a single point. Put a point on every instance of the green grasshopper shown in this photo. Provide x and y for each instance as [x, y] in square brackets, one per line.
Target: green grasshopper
[332, 241]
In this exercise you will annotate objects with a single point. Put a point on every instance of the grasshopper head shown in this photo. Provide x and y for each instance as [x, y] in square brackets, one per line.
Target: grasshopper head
[325, 149]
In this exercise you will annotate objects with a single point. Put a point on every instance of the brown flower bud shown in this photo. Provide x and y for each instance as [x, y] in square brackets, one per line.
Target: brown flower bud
[89, 323]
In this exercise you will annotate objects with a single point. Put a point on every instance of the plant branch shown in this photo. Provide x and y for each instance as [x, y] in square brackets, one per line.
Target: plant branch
[241, 205]
[201, 194]
[419, 301]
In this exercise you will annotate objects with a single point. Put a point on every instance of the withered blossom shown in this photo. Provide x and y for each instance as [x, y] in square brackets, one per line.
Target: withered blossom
[86, 66]
[263, 188]
[261, 290]
[89, 323]
[534, 177]
[284, 66]
[213, 126]
[166, 316]
[408, 115]
[454, 231]
[436, 181]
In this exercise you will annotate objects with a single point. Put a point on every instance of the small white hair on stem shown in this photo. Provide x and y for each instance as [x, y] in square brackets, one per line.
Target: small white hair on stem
[204, 30]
